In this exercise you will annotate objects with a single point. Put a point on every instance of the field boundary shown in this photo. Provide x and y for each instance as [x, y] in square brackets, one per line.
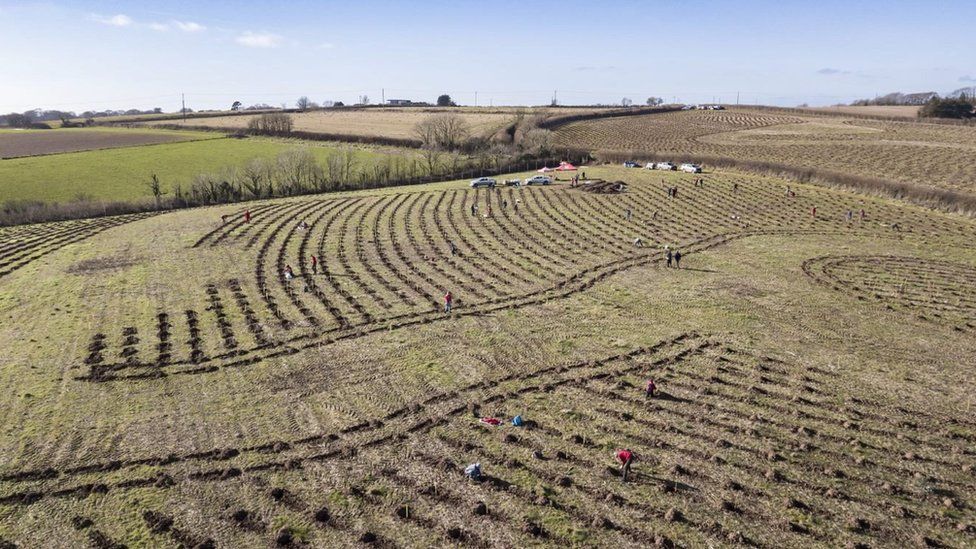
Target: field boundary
[298, 134]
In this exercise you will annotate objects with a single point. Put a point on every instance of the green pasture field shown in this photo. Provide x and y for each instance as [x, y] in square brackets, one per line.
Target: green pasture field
[123, 173]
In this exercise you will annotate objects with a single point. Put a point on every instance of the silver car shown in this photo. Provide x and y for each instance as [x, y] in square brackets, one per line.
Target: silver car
[538, 180]
[482, 182]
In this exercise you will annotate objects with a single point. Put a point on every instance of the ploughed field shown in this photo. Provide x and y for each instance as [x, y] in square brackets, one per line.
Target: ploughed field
[935, 155]
[168, 386]
[15, 143]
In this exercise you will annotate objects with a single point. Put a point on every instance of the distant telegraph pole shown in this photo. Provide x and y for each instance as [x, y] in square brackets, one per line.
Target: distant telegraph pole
[382, 96]
[183, 98]
[475, 99]
[737, 98]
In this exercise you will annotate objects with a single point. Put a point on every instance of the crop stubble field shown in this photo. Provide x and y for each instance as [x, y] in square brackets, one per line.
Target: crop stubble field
[390, 122]
[181, 392]
[923, 154]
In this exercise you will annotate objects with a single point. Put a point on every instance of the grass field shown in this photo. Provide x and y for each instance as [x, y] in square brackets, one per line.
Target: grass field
[20, 143]
[167, 386]
[379, 122]
[123, 173]
[931, 155]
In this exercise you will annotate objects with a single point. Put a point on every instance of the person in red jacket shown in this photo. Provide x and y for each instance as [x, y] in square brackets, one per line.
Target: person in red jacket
[448, 301]
[813, 212]
[626, 458]
[650, 389]
[315, 265]
[247, 216]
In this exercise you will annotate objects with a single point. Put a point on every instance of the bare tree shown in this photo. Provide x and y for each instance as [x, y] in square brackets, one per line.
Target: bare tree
[626, 102]
[537, 141]
[253, 177]
[443, 131]
[303, 103]
[426, 132]
[452, 130]
[455, 160]
[298, 171]
[432, 159]
[273, 122]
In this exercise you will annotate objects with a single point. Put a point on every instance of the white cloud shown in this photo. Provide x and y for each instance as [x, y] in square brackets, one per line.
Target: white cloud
[159, 27]
[830, 71]
[966, 79]
[259, 40]
[189, 26]
[119, 20]
[326, 46]
[601, 68]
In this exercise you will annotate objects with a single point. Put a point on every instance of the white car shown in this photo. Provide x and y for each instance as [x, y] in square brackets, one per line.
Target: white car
[538, 180]
[664, 166]
[690, 168]
[483, 182]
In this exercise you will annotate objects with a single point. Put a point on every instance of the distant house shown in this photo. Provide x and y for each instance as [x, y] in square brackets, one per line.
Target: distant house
[399, 102]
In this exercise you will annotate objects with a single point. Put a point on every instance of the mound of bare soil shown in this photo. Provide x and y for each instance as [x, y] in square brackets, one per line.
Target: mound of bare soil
[601, 186]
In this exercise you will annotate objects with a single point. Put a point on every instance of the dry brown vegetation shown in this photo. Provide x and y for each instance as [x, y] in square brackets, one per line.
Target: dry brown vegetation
[374, 122]
[920, 154]
[887, 111]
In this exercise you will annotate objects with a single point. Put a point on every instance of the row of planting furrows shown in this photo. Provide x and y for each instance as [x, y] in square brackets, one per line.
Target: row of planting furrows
[288, 213]
[746, 449]
[413, 280]
[20, 248]
[671, 131]
[535, 207]
[762, 205]
[249, 464]
[263, 271]
[869, 154]
[282, 260]
[401, 254]
[932, 290]
[236, 225]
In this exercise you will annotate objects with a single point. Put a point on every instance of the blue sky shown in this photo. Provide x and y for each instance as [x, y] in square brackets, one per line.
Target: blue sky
[96, 55]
